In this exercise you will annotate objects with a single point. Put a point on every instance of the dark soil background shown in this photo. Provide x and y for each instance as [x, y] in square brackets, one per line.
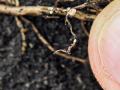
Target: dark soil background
[39, 68]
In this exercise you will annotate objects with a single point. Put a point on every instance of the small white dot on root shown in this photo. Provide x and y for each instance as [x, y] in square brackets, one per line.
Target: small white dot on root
[71, 11]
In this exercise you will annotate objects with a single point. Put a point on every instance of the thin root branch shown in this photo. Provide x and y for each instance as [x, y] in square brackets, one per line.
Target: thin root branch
[71, 30]
[47, 44]
[84, 28]
[67, 22]
[81, 6]
[22, 31]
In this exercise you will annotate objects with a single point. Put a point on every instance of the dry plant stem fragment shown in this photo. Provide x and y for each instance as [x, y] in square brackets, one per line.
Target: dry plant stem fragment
[40, 10]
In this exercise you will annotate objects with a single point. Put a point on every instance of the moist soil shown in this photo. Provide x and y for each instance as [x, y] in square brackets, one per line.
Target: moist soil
[39, 68]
